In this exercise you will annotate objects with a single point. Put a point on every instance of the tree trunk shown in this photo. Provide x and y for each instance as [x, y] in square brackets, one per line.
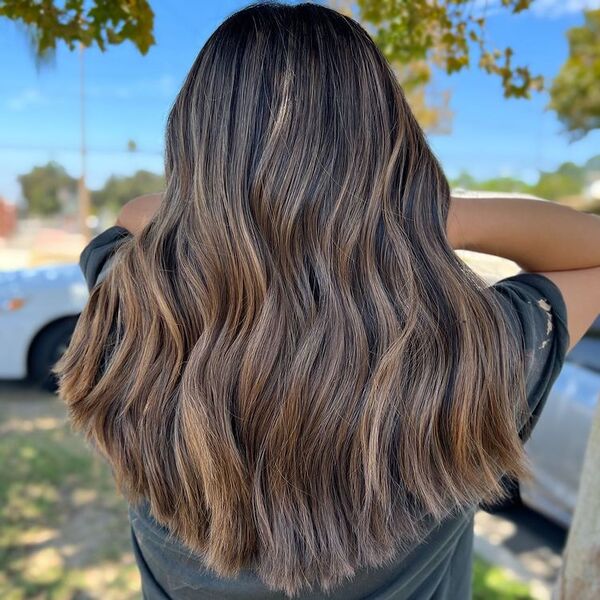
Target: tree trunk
[580, 573]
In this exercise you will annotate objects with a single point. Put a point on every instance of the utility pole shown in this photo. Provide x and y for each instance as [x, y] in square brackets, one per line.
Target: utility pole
[84, 195]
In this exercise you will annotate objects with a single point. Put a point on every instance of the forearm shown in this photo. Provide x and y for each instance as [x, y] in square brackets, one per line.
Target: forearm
[537, 235]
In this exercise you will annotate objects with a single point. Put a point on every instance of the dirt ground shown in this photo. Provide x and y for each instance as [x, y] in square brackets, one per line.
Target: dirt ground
[64, 531]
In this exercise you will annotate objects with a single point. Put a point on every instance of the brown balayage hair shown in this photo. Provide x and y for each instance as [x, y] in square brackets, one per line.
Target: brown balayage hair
[290, 362]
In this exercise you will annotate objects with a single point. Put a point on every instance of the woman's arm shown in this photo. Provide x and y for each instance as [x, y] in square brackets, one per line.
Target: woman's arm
[558, 242]
[536, 234]
[136, 214]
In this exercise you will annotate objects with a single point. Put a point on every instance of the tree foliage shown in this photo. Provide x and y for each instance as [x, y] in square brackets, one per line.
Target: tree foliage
[408, 31]
[118, 190]
[567, 180]
[416, 35]
[430, 107]
[575, 92]
[413, 34]
[495, 184]
[47, 189]
[100, 22]
[446, 33]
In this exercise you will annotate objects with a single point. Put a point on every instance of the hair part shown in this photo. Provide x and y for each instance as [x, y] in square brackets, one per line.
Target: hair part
[290, 363]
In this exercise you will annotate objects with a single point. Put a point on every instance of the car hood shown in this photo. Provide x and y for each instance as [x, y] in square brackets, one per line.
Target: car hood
[24, 281]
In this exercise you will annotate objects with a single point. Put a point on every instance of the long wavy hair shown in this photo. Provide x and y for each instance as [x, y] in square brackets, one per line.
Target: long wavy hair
[290, 363]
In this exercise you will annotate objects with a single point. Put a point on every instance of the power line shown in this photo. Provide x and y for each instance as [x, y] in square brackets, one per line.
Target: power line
[76, 149]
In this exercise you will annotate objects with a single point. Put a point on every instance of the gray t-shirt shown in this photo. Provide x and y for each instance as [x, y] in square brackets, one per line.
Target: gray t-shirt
[439, 567]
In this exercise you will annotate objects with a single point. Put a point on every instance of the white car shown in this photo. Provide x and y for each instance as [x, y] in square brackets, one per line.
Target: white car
[38, 311]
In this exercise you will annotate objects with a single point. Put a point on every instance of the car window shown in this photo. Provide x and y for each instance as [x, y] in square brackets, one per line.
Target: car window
[595, 328]
[586, 353]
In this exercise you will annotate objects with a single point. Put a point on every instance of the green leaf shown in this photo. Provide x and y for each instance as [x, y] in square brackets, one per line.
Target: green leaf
[104, 22]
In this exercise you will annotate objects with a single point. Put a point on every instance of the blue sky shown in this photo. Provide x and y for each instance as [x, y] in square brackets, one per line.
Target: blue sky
[128, 97]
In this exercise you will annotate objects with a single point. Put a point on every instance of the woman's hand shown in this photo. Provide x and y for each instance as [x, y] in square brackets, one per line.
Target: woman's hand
[136, 214]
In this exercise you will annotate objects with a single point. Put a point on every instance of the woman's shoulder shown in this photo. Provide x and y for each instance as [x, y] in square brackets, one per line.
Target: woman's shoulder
[537, 312]
[96, 255]
[536, 308]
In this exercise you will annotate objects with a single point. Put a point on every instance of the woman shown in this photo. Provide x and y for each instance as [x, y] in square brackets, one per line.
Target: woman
[300, 387]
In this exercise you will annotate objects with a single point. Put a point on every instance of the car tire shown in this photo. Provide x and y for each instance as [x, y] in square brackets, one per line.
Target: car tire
[512, 499]
[47, 348]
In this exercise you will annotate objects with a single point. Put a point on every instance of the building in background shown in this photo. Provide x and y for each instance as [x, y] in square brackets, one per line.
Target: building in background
[8, 218]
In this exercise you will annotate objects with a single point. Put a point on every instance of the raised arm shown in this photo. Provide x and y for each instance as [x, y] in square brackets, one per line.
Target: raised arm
[538, 235]
[544, 237]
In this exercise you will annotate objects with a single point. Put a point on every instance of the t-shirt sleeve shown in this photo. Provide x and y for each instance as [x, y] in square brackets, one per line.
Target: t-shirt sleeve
[96, 257]
[537, 311]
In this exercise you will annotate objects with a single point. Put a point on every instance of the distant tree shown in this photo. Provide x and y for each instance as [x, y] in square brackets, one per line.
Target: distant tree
[593, 164]
[100, 22]
[465, 181]
[118, 190]
[47, 189]
[567, 180]
[575, 93]
[506, 184]
[495, 184]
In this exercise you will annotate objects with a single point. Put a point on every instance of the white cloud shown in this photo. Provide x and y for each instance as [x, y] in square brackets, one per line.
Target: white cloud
[556, 8]
[540, 8]
[25, 99]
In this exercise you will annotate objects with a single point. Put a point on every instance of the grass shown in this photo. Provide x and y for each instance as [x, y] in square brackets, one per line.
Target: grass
[63, 529]
[493, 583]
